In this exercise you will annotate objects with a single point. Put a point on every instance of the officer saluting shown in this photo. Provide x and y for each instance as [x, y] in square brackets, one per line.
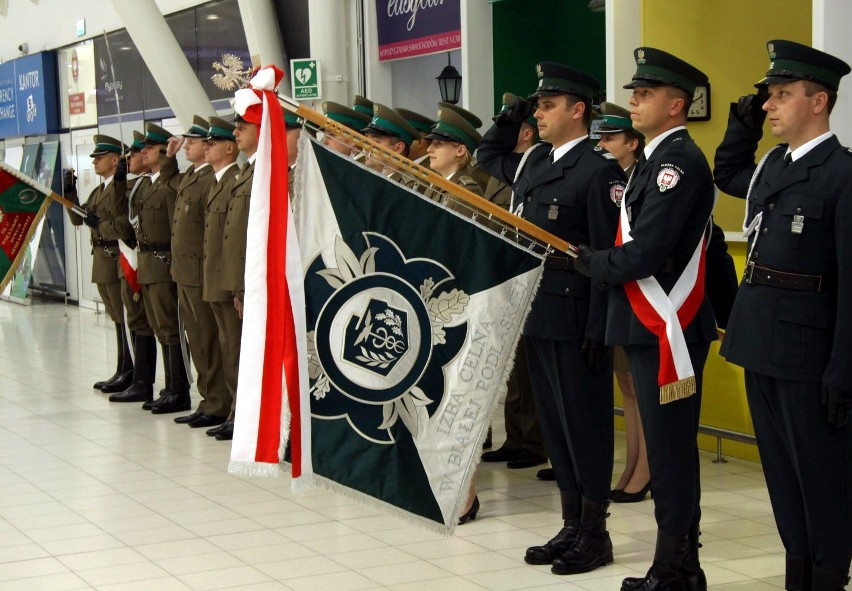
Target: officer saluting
[787, 328]
[657, 265]
[568, 189]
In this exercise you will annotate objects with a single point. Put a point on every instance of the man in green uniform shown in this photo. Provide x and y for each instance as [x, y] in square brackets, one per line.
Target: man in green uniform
[106, 206]
[153, 206]
[196, 315]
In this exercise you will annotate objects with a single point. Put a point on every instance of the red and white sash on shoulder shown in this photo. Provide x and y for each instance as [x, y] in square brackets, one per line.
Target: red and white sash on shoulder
[665, 315]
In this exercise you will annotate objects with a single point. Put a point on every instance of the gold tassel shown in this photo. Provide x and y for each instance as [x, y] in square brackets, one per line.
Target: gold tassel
[677, 390]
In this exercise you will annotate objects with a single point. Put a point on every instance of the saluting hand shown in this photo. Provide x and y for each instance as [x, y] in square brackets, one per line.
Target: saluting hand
[175, 144]
[516, 112]
[749, 108]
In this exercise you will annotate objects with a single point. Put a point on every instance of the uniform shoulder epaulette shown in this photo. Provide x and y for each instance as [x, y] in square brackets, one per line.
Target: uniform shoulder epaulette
[606, 155]
[848, 151]
[466, 181]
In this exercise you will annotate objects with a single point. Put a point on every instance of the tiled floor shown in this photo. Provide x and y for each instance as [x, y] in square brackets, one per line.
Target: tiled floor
[104, 496]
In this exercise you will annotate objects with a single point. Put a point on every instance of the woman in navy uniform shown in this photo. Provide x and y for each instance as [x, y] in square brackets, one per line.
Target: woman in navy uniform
[570, 190]
[664, 216]
[787, 328]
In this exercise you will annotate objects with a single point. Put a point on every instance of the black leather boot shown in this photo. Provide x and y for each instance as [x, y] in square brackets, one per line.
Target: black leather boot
[592, 547]
[691, 572]
[693, 575]
[121, 369]
[665, 572]
[167, 371]
[797, 574]
[563, 540]
[828, 580]
[178, 399]
[142, 388]
[124, 375]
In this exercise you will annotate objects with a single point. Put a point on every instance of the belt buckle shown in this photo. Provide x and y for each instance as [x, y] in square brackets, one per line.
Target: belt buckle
[749, 271]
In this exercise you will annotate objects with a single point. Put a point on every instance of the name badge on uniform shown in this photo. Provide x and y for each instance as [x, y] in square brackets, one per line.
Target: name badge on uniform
[553, 212]
[798, 224]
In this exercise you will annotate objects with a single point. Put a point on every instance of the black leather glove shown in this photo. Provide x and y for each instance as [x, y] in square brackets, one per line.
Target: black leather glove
[749, 108]
[582, 264]
[837, 404]
[595, 354]
[120, 175]
[69, 182]
[91, 220]
[516, 112]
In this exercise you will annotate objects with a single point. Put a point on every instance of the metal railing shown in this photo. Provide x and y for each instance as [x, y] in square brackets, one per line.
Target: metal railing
[716, 432]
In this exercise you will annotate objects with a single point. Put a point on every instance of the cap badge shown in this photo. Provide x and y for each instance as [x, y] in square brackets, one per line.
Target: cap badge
[640, 56]
[771, 49]
[538, 69]
[667, 179]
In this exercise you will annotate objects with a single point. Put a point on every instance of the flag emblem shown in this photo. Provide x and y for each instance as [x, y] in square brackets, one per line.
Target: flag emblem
[380, 326]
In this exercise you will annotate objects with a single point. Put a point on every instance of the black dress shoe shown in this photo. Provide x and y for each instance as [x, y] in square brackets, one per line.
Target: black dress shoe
[162, 396]
[206, 420]
[470, 515]
[120, 384]
[546, 474]
[626, 497]
[188, 418]
[215, 430]
[137, 392]
[177, 402]
[526, 459]
[226, 433]
[501, 454]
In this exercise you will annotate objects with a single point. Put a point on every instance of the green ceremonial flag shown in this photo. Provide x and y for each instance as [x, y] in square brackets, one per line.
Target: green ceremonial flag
[413, 315]
[23, 202]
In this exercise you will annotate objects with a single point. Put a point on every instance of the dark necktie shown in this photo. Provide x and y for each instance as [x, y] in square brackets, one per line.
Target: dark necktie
[788, 159]
[550, 157]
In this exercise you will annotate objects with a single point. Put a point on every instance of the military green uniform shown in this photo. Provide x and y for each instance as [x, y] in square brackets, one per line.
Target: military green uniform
[187, 271]
[221, 301]
[154, 208]
[107, 201]
[108, 205]
[234, 263]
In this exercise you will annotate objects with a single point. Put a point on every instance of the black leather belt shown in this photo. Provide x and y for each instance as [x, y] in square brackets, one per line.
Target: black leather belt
[155, 246]
[765, 276]
[558, 262]
[104, 243]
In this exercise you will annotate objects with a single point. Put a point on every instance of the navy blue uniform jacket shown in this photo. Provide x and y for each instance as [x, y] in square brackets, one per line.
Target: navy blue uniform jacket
[582, 189]
[794, 335]
[666, 226]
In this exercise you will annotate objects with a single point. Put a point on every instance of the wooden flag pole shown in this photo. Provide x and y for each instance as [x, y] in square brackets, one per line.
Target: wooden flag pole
[426, 176]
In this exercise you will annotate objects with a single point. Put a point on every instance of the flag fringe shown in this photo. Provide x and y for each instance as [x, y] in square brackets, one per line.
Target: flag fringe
[315, 479]
[677, 390]
[247, 469]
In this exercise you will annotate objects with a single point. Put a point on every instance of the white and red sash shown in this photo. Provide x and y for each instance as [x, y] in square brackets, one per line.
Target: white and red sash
[666, 315]
[273, 370]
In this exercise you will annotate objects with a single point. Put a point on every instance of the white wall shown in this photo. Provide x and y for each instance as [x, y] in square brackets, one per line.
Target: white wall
[48, 24]
[831, 34]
